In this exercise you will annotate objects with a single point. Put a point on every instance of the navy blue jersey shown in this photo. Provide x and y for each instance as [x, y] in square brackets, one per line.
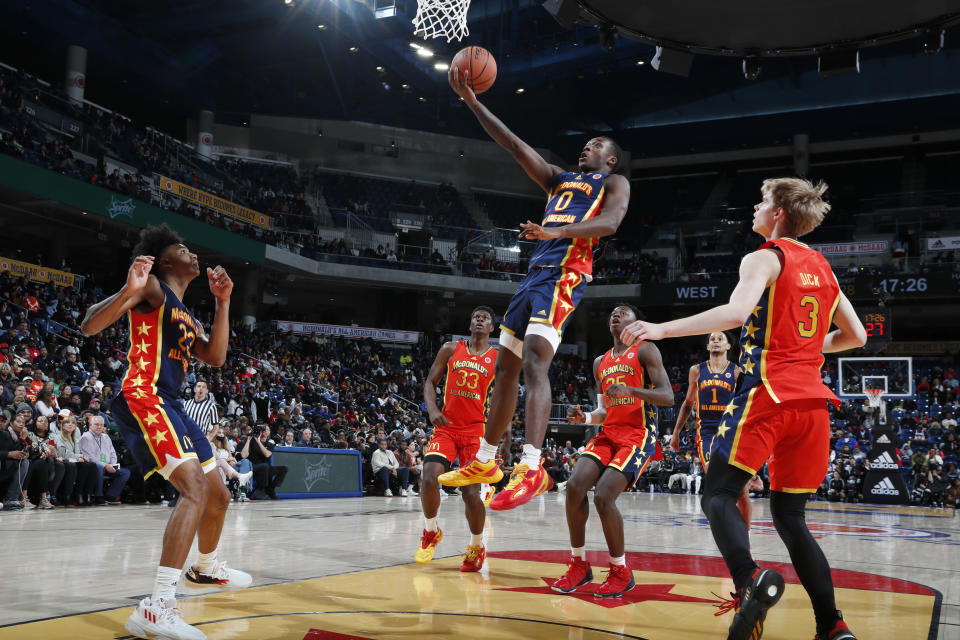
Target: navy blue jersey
[714, 392]
[575, 197]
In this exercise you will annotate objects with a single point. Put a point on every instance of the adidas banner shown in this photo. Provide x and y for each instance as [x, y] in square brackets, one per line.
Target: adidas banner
[948, 243]
[884, 484]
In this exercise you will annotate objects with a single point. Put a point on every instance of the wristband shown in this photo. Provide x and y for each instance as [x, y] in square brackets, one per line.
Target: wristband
[588, 417]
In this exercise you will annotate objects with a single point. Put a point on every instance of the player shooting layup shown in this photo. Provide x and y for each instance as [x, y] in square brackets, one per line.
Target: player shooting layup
[581, 207]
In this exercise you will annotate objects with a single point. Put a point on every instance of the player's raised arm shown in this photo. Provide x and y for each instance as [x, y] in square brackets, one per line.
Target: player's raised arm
[141, 286]
[758, 270]
[212, 349]
[687, 407]
[849, 334]
[435, 375]
[615, 200]
[541, 171]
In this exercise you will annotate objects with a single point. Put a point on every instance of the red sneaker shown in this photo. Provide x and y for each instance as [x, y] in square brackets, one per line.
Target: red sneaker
[473, 558]
[524, 486]
[578, 574]
[619, 579]
[428, 546]
[840, 631]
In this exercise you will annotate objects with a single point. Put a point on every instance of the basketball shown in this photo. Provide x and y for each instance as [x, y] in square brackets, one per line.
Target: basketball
[480, 66]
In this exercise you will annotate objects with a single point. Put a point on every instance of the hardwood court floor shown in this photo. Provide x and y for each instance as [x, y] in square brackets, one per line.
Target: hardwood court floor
[343, 568]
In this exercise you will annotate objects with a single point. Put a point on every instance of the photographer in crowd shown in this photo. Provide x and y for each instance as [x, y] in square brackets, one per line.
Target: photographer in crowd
[257, 449]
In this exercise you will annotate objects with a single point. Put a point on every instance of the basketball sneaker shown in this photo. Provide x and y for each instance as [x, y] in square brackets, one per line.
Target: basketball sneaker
[473, 558]
[428, 546]
[755, 601]
[161, 620]
[619, 579]
[840, 631]
[474, 473]
[578, 574]
[491, 491]
[524, 486]
[220, 575]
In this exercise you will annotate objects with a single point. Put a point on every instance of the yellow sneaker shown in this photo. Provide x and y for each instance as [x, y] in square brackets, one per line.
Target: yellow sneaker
[491, 491]
[428, 546]
[474, 473]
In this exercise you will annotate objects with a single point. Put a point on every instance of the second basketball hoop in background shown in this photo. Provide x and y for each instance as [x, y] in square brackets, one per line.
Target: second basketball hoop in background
[479, 65]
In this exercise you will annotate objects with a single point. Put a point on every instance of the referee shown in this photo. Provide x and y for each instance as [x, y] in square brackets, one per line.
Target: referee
[202, 408]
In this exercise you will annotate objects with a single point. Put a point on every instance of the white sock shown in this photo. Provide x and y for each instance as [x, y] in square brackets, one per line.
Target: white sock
[166, 585]
[577, 552]
[530, 457]
[487, 451]
[476, 539]
[430, 524]
[622, 560]
[205, 561]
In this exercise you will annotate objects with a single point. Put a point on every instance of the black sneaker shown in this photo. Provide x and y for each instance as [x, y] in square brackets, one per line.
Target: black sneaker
[764, 592]
[839, 631]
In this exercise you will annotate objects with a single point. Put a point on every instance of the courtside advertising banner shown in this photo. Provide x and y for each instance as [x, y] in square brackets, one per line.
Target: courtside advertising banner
[354, 333]
[884, 484]
[36, 272]
[216, 203]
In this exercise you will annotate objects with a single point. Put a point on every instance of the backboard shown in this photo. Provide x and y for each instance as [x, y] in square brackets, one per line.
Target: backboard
[893, 375]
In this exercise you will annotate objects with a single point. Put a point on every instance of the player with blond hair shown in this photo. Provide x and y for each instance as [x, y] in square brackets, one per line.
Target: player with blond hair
[786, 301]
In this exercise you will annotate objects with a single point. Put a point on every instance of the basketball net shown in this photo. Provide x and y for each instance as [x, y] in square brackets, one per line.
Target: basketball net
[441, 19]
[875, 400]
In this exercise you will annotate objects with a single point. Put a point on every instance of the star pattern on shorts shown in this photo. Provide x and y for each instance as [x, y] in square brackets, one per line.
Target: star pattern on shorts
[750, 329]
[152, 419]
[722, 429]
[730, 409]
[139, 394]
[141, 363]
[565, 305]
[756, 312]
[748, 348]
[138, 381]
[143, 329]
[748, 367]
[143, 346]
[651, 414]
[160, 436]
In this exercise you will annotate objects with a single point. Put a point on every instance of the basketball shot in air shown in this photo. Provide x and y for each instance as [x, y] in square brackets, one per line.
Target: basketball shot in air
[786, 301]
[582, 206]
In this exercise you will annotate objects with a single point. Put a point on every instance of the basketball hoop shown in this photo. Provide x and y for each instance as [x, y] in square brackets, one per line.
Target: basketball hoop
[875, 400]
[441, 18]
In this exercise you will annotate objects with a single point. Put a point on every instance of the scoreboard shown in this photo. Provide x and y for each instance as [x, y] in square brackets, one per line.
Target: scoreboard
[878, 321]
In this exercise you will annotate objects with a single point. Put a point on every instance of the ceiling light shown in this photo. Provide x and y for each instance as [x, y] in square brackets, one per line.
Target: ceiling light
[423, 52]
[322, 27]
[640, 63]
[354, 49]
[520, 89]
[441, 66]
[414, 45]
[422, 99]
[288, 2]
[404, 86]
[379, 68]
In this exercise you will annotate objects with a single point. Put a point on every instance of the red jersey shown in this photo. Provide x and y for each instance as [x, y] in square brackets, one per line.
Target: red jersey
[469, 378]
[625, 414]
[782, 342]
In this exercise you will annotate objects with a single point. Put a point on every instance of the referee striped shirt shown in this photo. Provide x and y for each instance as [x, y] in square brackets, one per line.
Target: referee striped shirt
[203, 413]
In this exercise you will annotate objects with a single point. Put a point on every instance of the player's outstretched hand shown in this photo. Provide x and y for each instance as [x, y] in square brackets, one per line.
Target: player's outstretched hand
[139, 273]
[575, 414]
[755, 484]
[438, 419]
[459, 84]
[532, 231]
[639, 331]
[220, 283]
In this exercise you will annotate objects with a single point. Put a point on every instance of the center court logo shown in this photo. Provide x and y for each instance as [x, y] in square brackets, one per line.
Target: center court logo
[884, 488]
[884, 461]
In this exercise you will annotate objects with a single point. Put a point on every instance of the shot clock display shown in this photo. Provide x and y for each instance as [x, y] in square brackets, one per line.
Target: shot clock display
[878, 322]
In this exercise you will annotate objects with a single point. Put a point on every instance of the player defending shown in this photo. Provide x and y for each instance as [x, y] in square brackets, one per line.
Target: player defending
[786, 299]
[164, 335]
[710, 388]
[581, 207]
[629, 379]
[458, 429]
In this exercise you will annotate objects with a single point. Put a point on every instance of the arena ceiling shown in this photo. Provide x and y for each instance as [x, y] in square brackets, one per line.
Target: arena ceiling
[161, 62]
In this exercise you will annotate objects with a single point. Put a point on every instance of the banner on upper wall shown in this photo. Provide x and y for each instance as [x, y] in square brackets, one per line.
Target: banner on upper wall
[216, 203]
[37, 273]
[354, 333]
[851, 248]
[943, 244]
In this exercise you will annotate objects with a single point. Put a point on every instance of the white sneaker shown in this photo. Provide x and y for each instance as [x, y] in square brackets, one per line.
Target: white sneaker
[220, 576]
[561, 486]
[403, 493]
[413, 492]
[156, 620]
[388, 493]
[244, 478]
